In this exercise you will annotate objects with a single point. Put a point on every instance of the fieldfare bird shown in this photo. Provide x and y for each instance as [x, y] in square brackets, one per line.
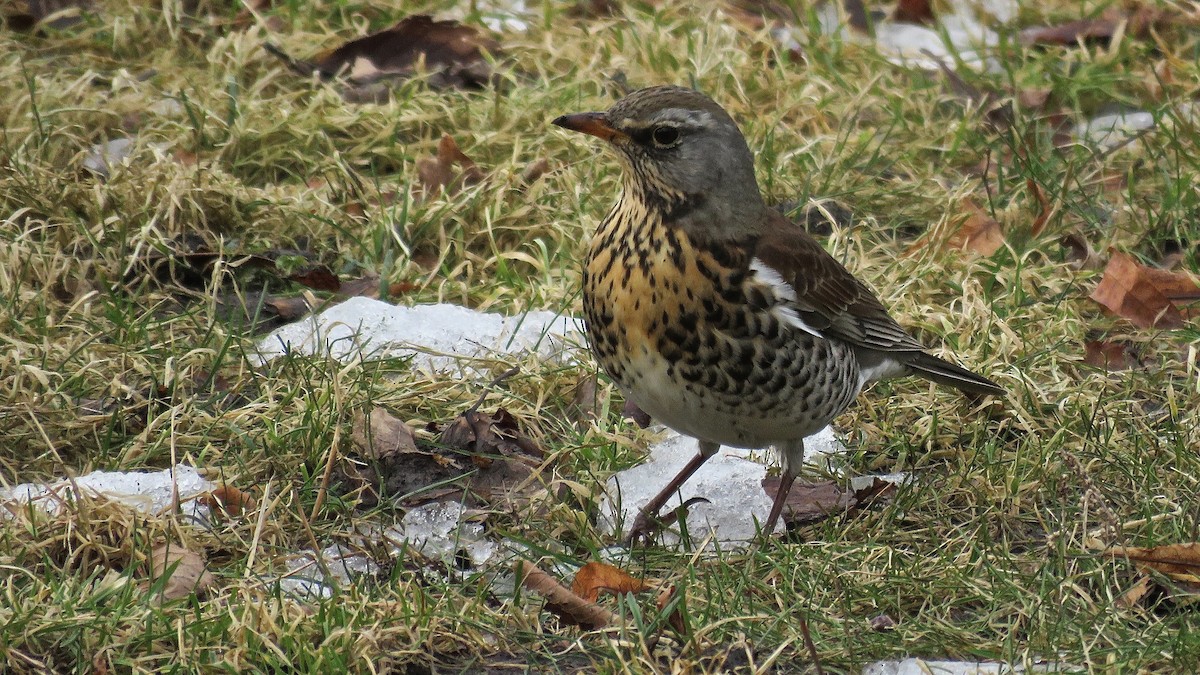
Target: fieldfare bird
[714, 313]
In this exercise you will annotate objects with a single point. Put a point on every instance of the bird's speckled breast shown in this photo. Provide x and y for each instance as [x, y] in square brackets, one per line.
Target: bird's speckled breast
[688, 333]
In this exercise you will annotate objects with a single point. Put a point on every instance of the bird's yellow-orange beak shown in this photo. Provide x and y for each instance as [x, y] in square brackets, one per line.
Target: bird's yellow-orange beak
[591, 123]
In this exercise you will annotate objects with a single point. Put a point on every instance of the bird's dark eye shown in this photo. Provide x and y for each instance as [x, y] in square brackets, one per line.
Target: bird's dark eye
[665, 136]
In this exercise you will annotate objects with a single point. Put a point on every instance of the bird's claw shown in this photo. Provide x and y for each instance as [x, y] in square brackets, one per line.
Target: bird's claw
[644, 528]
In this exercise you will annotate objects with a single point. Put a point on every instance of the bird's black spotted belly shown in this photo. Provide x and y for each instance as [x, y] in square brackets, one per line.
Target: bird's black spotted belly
[691, 337]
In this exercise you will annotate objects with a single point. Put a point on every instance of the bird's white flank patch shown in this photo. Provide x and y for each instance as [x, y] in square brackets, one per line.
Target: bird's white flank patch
[784, 292]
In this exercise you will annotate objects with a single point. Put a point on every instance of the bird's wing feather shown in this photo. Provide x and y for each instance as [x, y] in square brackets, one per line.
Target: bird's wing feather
[828, 298]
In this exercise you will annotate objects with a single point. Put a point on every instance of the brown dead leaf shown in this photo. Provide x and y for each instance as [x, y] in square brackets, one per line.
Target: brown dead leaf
[189, 259]
[1143, 295]
[182, 569]
[882, 622]
[438, 173]
[812, 502]
[316, 277]
[505, 456]
[1108, 355]
[489, 435]
[1137, 20]
[229, 501]
[534, 171]
[1133, 596]
[597, 576]
[1181, 562]
[1080, 253]
[979, 233]
[914, 11]
[382, 435]
[288, 309]
[1046, 209]
[453, 54]
[666, 596]
[561, 601]
[1071, 33]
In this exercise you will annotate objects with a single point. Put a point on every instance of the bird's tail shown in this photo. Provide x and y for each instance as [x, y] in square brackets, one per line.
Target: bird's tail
[931, 367]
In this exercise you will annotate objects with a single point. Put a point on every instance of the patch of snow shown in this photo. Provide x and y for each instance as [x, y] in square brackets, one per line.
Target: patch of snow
[912, 666]
[435, 531]
[148, 492]
[306, 579]
[730, 480]
[439, 337]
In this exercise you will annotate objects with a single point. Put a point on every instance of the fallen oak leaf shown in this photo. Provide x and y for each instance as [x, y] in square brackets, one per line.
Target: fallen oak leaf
[1134, 292]
[561, 601]
[979, 232]
[597, 576]
[382, 435]
[1111, 355]
[180, 571]
[1134, 595]
[437, 174]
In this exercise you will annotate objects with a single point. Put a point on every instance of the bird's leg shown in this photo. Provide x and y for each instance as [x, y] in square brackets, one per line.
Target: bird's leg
[792, 454]
[646, 522]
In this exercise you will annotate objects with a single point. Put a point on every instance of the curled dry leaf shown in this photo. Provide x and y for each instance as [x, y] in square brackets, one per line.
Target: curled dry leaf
[666, 596]
[382, 435]
[1136, 20]
[584, 407]
[182, 568]
[482, 434]
[438, 173]
[1178, 561]
[229, 501]
[1080, 253]
[1135, 594]
[882, 622]
[534, 171]
[979, 233]
[597, 576]
[561, 601]
[1143, 295]
[1110, 354]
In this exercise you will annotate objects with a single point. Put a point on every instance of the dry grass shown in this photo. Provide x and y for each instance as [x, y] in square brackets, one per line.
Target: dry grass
[992, 555]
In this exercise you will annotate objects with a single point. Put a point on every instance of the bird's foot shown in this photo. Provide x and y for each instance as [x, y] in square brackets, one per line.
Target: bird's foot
[649, 524]
[645, 527]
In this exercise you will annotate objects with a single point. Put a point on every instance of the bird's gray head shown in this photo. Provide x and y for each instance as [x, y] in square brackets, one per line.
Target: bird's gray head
[683, 155]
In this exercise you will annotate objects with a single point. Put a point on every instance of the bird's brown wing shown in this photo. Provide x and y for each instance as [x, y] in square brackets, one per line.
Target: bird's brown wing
[828, 297]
